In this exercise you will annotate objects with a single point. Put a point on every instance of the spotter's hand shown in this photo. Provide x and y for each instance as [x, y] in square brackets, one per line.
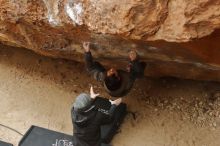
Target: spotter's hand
[92, 94]
[116, 102]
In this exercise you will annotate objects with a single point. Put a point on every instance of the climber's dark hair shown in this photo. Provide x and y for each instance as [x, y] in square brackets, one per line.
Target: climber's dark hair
[112, 82]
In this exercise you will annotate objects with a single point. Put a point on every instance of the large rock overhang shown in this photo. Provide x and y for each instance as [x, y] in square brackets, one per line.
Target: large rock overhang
[175, 39]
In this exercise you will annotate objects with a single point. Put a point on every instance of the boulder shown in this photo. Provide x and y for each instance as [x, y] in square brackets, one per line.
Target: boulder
[175, 37]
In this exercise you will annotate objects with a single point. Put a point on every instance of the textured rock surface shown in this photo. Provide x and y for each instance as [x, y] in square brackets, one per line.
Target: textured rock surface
[58, 27]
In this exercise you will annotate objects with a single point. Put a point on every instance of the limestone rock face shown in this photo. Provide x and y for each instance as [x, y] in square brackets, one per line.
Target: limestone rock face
[57, 28]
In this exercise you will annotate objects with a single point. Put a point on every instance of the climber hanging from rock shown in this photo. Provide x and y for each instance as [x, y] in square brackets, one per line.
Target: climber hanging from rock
[117, 82]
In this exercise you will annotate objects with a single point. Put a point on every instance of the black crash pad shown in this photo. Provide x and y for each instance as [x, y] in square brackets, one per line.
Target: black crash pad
[37, 136]
[5, 144]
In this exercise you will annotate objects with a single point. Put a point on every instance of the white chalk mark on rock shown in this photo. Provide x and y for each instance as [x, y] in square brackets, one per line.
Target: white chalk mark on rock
[53, 11]
[74, 11]
[52, 20]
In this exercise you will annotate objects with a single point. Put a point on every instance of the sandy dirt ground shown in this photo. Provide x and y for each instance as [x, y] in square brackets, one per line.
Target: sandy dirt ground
[36, 90]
